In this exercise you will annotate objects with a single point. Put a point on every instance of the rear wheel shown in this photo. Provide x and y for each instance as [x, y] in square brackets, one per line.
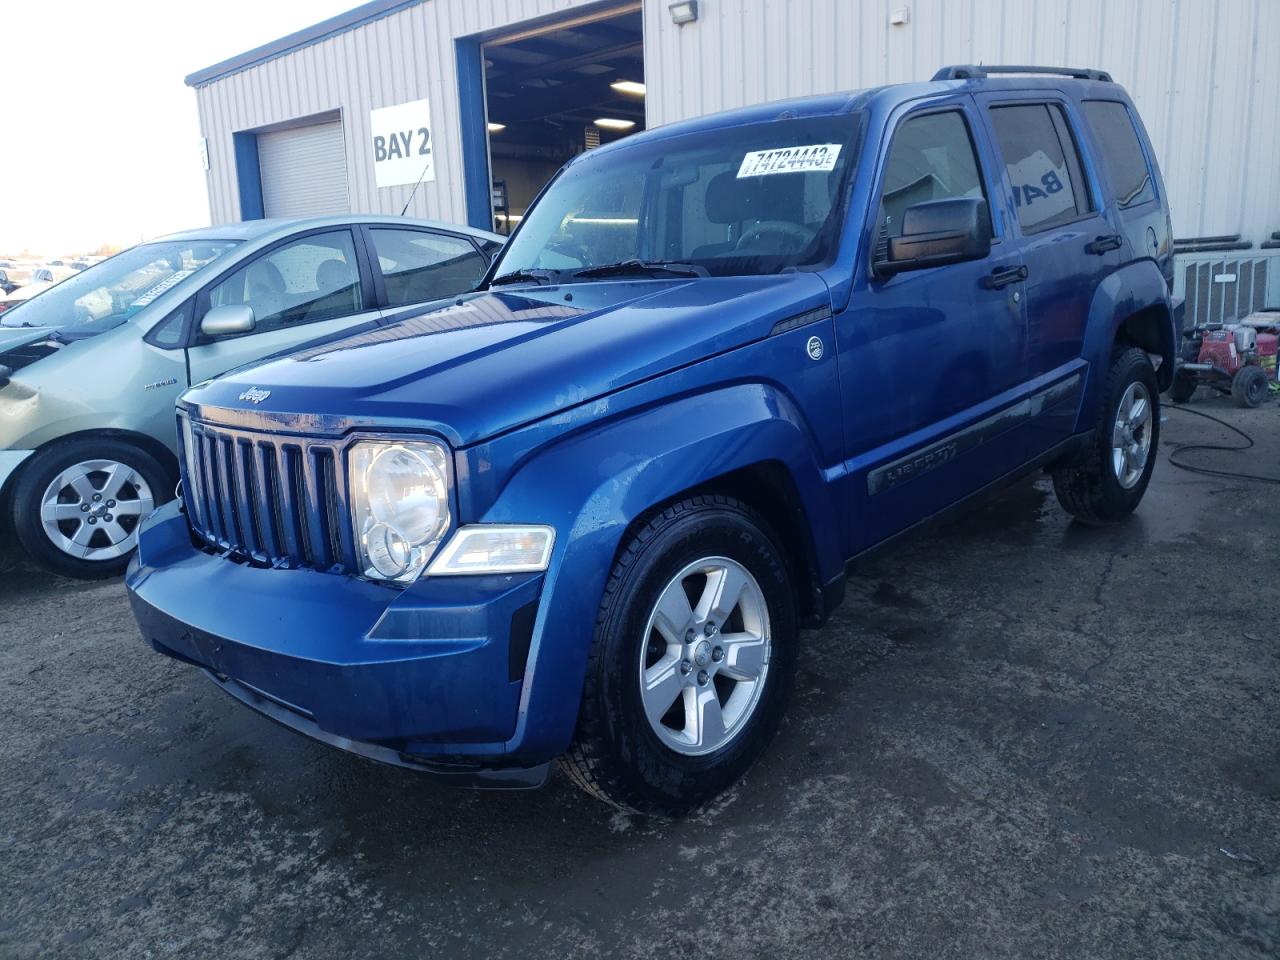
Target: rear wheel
[1109, 482]
[693, 659]
[77, 505]
[1249, 386]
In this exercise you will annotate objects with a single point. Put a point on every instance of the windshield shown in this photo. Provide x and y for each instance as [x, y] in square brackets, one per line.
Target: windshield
[108, 294]
[757, 198]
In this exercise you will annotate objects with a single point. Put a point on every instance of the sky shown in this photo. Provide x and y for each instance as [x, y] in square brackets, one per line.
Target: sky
[99, 142]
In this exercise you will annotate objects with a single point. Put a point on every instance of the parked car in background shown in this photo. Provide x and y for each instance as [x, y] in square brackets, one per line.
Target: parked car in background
[41, 279]
[583, 511]
[90, 369]
[10, 279]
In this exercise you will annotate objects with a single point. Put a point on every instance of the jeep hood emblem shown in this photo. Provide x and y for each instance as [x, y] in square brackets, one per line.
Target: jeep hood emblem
[255, 394]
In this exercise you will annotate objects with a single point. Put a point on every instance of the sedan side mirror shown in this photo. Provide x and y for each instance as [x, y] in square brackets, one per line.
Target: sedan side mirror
[228, 319]
[939, 232]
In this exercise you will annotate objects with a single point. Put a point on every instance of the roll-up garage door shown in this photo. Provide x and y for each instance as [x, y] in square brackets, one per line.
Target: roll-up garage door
[304, 171]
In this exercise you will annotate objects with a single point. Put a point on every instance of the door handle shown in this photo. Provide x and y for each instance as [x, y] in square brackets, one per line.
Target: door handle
[1100, 245]
[1003, 276]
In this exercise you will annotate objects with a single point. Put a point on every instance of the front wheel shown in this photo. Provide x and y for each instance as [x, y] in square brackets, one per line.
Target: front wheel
[693, 659]
[77, 505]
[1107, 485]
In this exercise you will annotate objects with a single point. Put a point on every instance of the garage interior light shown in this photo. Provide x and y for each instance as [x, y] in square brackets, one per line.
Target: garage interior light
[685, 11]
[614, 123]
[496, 127]
[629, 87]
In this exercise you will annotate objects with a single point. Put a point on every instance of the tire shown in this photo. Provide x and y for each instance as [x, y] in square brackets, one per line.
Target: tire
[1249, 386]
[1101, 489]
[1183, 387]
[81, 470]
[650, 766]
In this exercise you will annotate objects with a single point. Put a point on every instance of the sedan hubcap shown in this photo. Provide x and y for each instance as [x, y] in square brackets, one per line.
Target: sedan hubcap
[91, 510]
[1131, 435]
[705, 657]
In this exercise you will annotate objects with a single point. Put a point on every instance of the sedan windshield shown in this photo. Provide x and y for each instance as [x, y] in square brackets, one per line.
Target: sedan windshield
[756, 198]
[108, 294]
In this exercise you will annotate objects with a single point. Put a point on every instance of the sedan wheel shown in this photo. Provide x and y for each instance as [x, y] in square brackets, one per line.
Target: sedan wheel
[91, 510]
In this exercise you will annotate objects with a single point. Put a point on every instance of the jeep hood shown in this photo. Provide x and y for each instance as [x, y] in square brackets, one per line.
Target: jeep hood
[492, 361]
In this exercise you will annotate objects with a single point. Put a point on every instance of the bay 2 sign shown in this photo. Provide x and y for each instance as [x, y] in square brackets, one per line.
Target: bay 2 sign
[402, 147]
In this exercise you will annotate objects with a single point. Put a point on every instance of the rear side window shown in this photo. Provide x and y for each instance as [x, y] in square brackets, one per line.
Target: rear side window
[932, 158]
[1122, 155]
[419, 266]
[1043, 163]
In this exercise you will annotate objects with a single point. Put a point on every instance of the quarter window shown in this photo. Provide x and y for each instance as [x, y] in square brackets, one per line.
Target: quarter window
[1043, 164]
[1122, 155]
[314, 278]
[418, 266]
[932, 158]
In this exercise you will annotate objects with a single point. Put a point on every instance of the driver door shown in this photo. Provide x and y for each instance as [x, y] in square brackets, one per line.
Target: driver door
[929, 357]
[303, 288]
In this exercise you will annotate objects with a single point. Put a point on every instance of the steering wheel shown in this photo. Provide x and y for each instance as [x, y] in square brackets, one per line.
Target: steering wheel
[783, 228]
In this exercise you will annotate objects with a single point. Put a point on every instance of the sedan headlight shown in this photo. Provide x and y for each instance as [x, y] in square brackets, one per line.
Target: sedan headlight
[399, 505]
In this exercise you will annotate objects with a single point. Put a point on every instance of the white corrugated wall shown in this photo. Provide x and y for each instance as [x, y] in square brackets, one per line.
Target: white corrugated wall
[405, 56]
[1205, 75]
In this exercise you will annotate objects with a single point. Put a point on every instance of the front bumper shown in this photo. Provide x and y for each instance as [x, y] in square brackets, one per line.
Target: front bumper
[429, 676]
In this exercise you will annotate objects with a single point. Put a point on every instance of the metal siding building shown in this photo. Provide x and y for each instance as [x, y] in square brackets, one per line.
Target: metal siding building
[1204, 74]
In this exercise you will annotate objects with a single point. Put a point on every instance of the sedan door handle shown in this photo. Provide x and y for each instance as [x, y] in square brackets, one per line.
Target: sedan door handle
[1100, 245]
[1003, 276]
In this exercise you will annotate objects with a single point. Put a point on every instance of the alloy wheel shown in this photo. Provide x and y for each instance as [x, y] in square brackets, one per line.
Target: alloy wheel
[1131, 436]
[706, 656]
[92, 509]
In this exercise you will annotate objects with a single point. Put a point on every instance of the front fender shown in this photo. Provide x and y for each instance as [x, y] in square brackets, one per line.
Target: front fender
[591, 487]
[1136, 288]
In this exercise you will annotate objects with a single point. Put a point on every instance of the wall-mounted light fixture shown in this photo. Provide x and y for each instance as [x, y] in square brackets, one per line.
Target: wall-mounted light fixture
[613, 123]
[629, 86]
[684, 11]
[496, 127]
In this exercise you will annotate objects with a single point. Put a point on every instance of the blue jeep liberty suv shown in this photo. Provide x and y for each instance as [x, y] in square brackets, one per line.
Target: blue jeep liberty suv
[582, 512]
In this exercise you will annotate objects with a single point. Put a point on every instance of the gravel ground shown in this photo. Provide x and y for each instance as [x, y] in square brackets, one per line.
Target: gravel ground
[1019, 737]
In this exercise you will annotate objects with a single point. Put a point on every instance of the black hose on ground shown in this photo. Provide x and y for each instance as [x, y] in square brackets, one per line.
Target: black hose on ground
[1182, 448]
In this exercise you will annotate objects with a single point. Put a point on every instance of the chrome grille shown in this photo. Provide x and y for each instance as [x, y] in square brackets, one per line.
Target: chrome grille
[266, 499]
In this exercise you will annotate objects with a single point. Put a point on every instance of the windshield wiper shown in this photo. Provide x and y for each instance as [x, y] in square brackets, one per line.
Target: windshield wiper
[643, 268]
[535, 275]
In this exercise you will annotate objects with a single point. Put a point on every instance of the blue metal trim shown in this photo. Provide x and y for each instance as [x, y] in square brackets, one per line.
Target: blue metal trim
[248, 176]
[343, 22]
[475, 136]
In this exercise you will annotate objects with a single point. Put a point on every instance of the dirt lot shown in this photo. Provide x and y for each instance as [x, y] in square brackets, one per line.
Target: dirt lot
[1018, 738]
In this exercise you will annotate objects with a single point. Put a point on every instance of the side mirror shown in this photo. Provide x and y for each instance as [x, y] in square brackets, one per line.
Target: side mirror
[228, 319]
[939, 232]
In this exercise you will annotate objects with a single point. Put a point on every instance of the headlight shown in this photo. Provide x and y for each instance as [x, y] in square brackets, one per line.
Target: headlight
[399, 505]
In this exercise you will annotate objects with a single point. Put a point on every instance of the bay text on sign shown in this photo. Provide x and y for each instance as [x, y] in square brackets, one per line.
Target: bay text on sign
[402, 146]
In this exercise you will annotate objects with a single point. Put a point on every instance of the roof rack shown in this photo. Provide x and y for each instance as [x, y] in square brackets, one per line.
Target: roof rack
[977, 72]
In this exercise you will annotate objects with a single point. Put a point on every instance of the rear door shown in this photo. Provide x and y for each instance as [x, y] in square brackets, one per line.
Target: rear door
[930, 358]
[1068, 243]
[1130, 175]
[305, 287]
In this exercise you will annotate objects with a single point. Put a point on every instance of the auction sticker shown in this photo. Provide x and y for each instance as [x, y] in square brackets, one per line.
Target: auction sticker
[163, 286]
[819, 157]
